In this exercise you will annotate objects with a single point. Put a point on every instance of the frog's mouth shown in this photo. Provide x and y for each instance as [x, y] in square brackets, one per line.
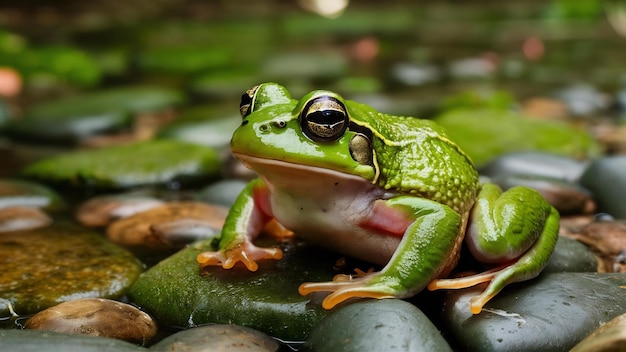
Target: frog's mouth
[279, 169]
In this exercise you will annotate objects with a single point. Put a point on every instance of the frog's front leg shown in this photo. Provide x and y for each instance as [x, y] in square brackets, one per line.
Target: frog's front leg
[516, 230]
[244, 222]
[431, 238]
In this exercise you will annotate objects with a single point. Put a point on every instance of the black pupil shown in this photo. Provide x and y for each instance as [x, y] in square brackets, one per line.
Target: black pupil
[326, 117]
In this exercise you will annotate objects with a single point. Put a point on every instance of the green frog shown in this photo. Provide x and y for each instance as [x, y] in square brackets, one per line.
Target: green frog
[390, 190]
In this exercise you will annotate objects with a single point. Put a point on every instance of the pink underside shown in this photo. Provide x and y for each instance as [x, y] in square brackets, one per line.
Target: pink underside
[262, 200]
[387, 220]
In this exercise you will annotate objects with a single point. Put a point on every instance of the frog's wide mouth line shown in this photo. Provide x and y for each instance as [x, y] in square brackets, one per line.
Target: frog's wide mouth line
[253, 161]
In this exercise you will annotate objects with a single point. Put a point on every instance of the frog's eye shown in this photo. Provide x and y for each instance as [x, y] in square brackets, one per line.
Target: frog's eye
[324, 119]
[247, 99]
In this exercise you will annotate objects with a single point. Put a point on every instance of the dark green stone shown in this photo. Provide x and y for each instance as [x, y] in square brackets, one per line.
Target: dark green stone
[72, 118]
[43, 341]
[156, 162]
[571, 256]
[177, 293]
[376, 325]
[59, 263]
[550, 313]
[21, 193]
[606, 178]
[207, 125]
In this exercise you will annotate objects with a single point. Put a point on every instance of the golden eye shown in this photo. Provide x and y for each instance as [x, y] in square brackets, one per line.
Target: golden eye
[324, 119]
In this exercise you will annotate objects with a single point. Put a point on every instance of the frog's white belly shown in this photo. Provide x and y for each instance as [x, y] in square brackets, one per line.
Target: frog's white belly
[326, 207]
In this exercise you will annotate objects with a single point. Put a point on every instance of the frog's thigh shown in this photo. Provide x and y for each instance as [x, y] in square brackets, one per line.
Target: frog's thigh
[504, 225]
[427, 246]
[531, 217]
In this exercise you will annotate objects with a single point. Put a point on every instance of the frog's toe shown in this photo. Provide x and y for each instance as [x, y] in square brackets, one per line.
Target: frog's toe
[463, 282]
[210, 259]
[246, 253]
[497, 278]
[343, 290]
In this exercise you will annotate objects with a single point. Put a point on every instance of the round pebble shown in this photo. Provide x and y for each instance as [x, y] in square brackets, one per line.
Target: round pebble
[102, 210]
[535, 164]
[566, 197]
[41, 341]
[154, 162]
[217, 338]
[606, 179]
[222, 192]
[171, 225]
[376, 325]
[610, 337]
[21, 193]
[22, 218]
[550, 313]
[96, 317]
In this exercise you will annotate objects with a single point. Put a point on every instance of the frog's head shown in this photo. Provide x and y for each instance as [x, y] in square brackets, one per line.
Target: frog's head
[318, 130]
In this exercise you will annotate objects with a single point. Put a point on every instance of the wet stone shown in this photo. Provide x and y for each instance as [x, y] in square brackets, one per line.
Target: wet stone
[58, 263]
[583, 99]
[606, 179]
[214, 133]
[96, 317]
[502, 132]
[609, 337]
[157, 162]
[607, 238]
[566, 197]
[102, 210]
[170, 225]
[22, 218]
[415, 74]
[77, 117]
[376, 325]
[571, 256]
[535, 164]
[550, 313]
[176, 292]
[472, 68]
[21, 193]
[222, 192]
[40, 341]
[217, 338]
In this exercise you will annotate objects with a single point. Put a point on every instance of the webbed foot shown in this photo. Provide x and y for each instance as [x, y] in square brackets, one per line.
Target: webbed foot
[246, 253]
[344, 287]
[478, 302]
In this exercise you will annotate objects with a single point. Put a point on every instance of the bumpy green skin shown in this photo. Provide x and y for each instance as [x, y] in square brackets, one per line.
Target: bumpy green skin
[418, 175]
[439, 169]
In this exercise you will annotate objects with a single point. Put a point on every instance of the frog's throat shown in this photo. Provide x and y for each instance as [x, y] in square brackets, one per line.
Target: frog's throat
[259, 165]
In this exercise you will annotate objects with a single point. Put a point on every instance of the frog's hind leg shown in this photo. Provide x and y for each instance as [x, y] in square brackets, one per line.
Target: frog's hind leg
[527, 266]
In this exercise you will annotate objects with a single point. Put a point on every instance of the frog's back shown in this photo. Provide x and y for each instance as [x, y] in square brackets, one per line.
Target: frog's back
[415, 156]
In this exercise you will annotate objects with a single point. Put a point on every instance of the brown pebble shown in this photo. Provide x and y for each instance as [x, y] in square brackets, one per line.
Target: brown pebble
[96, 317]
[22, 218]
[101, 211]
[169, 225]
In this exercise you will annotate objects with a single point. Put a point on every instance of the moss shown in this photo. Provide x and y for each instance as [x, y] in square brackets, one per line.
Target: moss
[137, 164]
[487, 133]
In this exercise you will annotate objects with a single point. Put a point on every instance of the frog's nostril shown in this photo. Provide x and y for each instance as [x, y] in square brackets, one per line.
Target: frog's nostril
[280, 124]
[264, 127]
[244, 122]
